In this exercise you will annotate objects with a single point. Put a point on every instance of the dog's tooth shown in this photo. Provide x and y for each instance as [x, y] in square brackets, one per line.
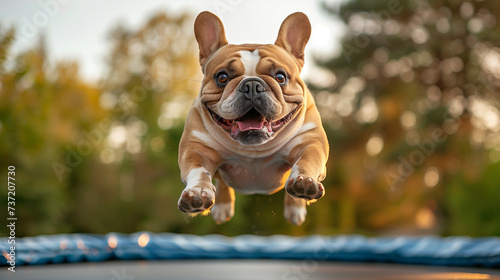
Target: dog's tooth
[235, 129]
[269, 127]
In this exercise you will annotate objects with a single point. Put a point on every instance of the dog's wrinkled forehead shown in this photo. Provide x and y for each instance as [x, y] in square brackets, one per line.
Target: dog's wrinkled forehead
[292, 39]
[249, 60]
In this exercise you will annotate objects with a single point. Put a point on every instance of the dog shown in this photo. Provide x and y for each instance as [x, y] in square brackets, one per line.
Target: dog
[254, 127]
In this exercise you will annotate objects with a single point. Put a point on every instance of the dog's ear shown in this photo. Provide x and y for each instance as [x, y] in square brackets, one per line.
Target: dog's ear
[294, 34]
[209, 33]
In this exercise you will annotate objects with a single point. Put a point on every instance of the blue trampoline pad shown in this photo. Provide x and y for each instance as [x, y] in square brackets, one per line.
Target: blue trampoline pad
[146, 255]
[230, 269]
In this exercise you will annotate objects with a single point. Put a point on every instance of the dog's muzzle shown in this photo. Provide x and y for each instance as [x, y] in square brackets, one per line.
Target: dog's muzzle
[253, 89]
[257, 121]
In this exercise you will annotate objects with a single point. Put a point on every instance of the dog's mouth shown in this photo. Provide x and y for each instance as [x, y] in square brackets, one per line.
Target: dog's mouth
[254, 121]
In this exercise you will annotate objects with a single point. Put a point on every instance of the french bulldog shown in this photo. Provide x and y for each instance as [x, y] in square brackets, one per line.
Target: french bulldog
[254, 127]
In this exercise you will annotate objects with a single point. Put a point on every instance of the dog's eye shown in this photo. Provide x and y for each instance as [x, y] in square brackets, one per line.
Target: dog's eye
[222, 78]
[280, 78]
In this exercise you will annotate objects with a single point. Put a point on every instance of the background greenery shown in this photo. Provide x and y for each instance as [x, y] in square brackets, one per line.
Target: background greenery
[101, 157]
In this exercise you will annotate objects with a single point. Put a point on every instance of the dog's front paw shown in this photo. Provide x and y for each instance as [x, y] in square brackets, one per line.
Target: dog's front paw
[305, 187]
[197, 200]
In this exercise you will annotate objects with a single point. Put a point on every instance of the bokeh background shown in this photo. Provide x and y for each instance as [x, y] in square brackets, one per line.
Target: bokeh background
[408, 92]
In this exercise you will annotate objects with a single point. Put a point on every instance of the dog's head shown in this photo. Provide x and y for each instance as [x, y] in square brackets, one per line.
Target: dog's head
[252, 91]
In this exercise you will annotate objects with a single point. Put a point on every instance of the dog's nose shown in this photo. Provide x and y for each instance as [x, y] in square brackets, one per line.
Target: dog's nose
[252, 88]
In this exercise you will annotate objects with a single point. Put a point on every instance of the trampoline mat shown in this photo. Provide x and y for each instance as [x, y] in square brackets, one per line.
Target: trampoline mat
[243, 269]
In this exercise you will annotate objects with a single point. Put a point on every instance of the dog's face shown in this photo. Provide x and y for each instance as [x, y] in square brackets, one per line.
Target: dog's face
[252, 91]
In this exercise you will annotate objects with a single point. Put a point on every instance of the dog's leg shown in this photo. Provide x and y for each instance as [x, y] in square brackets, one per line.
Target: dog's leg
[307, 172]
[294, 209]
[199, 194]
[223, 209]
[197, 164]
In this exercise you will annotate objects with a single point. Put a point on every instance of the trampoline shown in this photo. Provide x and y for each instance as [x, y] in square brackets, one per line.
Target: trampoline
[146, 255]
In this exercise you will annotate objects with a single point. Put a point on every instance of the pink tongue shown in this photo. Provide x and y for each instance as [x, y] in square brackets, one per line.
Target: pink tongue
[250, 124]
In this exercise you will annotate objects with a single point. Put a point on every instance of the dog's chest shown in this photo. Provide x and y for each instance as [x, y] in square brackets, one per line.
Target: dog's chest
[255, 176]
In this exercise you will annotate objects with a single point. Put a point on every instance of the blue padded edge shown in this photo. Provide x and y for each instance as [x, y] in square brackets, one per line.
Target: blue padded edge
[429, 250]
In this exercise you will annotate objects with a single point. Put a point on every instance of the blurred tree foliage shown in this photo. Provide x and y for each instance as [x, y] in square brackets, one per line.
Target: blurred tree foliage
[43, 111]
[410, 106]
[412, 111]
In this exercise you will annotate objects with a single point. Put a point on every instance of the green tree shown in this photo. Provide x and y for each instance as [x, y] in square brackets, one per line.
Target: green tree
[44, 109]
[151, 79]
[415, 106]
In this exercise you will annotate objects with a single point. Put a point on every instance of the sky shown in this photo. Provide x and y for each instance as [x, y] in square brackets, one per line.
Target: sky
[77, 30]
